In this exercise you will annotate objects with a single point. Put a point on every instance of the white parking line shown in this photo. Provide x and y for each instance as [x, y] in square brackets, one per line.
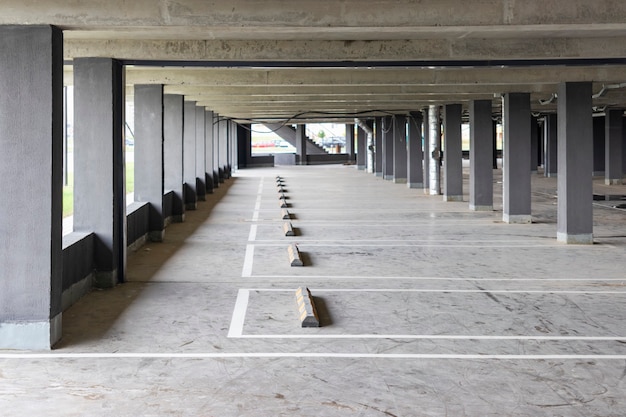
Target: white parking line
[239, 313]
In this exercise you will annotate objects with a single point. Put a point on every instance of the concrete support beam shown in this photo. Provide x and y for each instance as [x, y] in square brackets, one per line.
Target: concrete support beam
[208, 156]
[551, 140]
[173, 110]
[388, 148]
[481, 156]
[361, 149]
[399, 149]
[350, 142]
[200, 153]
[378, 147]
[149, 159]
[453, 155]
[613, 146]
[99, 187]
[189, 156]
[434, 150]
[599, 158]
[301, 144]
[575, 185]
[516, 160]
[31, 180]
[426, 145]
[534, 143]
[415, 171]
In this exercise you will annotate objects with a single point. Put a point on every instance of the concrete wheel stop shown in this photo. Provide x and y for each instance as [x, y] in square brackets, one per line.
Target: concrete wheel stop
[295, 257]
[306, 308]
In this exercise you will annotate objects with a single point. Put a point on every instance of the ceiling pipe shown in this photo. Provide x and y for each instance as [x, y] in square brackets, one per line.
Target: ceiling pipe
[606, 87]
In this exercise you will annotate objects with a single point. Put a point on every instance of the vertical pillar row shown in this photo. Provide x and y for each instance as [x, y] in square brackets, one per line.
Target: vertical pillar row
[453, 155]
[31, 179]
[173, 114]
[415, 174]
[481, 156]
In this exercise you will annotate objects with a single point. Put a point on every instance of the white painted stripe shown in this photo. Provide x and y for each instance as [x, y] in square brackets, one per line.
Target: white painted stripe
[252, 235]
[446, 278]
[239, 313]
[427, 290]
[247, 261]
[301, 355]
[432, 337]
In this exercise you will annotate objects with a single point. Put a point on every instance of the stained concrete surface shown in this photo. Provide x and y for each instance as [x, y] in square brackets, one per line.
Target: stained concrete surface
[428, 309]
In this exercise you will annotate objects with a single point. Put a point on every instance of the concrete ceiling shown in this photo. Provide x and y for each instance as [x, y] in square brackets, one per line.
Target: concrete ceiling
[332, 58]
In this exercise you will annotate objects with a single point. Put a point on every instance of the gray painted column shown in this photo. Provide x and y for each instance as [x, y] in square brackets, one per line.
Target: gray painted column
[624, 145]
[534, 143]
[217, 174]
[99, 186]
[551, 139]
[415, 173]
[200, 154]
[599, 130]
[434, 149]
[388, 148]
[173, 110]
[31, 179]
[189, 155]
[301, 144]
[494, 138]
[575, 184]
[613, 154]
[208, 147]
[516, 159]
[399, 149]
[426, 144]
[350, 142]
[453, 154]
[149, 162]
[361, 148]
[481, 156]
[223, 150]
[378, 147]
[234, 146]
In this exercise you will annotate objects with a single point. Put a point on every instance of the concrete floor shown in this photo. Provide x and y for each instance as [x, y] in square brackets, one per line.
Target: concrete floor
[427, 309]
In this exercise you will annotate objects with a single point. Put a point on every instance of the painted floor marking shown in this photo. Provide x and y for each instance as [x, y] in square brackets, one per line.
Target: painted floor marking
[249, 255]
[239, 313]
[331, 277]
[439, 290]
[247, 261]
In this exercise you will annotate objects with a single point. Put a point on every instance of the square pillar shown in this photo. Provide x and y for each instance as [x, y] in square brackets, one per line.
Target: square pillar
[575, 184]
[399, 149]
[516, 158]
[613, 146]
[425, 145]
[378, 147]
[481, 156]
[534, 143]
[361, 148]
[189, 155]
[434, 150]
[599, 158]
[149, 160]
[453, 153]
[223, 149]
[200, 154]
[300, 145]
[217, 178]
[415, 173]
[99, 185]
[350, 142]
[31, 180]
[208, 147]
[551, 139]
[173, 109]
[388, 148]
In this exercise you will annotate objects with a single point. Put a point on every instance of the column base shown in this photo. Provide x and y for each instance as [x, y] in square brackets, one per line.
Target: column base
[517, 218]
[156, 235]
[77, 291]
[388, 177]
[582, 239]
[191, 206]
[31, 334]
[452, 198]
[415, 184]
[598, 173]
[360, 167]
[613, 181]
[551, 174]
[106, 279]
[379, 174]
[480, 208]
[399, 180]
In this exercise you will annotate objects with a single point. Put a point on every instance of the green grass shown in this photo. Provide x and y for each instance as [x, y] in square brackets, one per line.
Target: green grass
[68, 192]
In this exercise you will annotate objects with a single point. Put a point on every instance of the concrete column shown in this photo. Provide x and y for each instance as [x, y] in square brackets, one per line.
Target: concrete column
[624, 145]
[350, 142]
[551, 139]
[208, 156]
[388, 148]
[149, 161]
[223, 150]
[200, 153]
[301, 144]
[434, 149]
[378, 147]
[613, 154]
[575, 184]
[481, 156]
[599, 130]
[534, 143]
[189, 156]
[244, 149]
[31, 180]
[235, 146]
[540, 143]
[99, 186]
[173, 105]
[361, 148]
[218, 176]
[516, 159]
[399, 149]
[453, 154]
[415, 173]
[425, 146]
[494, 138]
